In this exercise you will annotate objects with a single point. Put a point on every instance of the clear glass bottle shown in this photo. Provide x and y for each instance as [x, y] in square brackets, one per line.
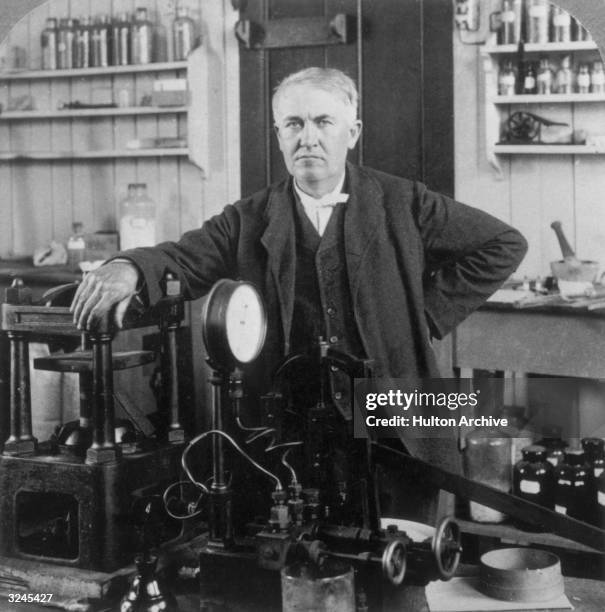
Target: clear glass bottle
[65, 44]
[183, 33]
[583, 79]
[572, 488]
[120, 40]
[76, 248]
[564, 77]
[488, 459]
[507, 79]
[545, 77]
[48, 42]
[561, 24]
[100, 33]
[597, 78]
[530, 85]
[510, 31]
[537, 21]
[137, 218]
[83, 34]
[141, 38]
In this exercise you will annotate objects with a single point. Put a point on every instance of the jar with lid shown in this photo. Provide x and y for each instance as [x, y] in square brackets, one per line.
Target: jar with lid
[583, 79]
[183, 33]
[48, 42]
[100, 42]
[507, 79]
[137, 219]
[537, 21]
[561, 24]
[553, 443]
[487, 459]
[511, 16]
[66, 38]
[141, 38]
[533, 477]
[76, 248]
[120, 40]
[83, 34]
[545, 77]
[597, 78]
[564, 77]
[572, 485]
[529, 80]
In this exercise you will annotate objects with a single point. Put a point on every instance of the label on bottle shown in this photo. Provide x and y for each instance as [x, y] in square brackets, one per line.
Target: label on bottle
[601, 498]
[584, 80]
[508, 16]
[529, 82]
[565, 483]
[538, 11]
[598, 472]
[529, 486]
[560, 509]
[562, 20]
[553, 461]
[579, 483]
[598, 78]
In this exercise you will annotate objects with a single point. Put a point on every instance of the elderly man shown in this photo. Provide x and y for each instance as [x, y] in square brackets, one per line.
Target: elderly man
[374, 263]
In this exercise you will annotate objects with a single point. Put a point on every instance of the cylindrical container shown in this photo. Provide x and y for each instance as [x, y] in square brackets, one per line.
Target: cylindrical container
[507, 79]
[583, 79]
[530, 85]
[537, 21]
[579, 32]
[48, 42]
[141, 38]
[65, 44]
[597, 78]
[545, 78]
[100, 32]
[561, 24]
[601, 501]
[120, 40]
[183, 33]
[594, 450]
[137, 220]
[307, 589]
[76, 248]
[533, 477]
[83, 35]
[512, 15]
[572, 486]
[564, 77]
[488, 459]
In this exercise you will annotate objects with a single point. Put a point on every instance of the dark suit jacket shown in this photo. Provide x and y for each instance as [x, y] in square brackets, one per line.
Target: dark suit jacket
[413, 257]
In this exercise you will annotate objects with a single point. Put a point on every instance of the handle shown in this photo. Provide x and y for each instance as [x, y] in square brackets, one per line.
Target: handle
[566, 249]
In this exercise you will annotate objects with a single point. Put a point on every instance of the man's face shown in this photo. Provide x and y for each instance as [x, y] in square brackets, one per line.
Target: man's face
[315, 129]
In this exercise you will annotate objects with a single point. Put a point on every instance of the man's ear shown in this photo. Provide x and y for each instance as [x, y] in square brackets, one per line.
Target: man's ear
[354, 133]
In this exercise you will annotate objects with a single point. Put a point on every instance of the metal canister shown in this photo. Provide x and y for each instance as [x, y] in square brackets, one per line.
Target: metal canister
[82, 34]
[120, 40]
[100, 42]
[48, 42]
[141, 38]
[65, 44]
[183, 33]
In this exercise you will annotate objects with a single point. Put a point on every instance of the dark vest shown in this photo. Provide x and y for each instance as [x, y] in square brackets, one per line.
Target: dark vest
[322, 303]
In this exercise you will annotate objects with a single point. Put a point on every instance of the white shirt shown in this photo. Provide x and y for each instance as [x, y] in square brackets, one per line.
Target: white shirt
[319, 210]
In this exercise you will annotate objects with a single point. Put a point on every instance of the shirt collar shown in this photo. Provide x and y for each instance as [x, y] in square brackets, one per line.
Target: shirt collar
[335, 195]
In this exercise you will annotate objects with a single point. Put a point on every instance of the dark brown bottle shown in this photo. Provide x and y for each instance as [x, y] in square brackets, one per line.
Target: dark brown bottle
[572, 488]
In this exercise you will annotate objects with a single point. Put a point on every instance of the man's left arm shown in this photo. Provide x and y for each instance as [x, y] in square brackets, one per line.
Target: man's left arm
[469, 254]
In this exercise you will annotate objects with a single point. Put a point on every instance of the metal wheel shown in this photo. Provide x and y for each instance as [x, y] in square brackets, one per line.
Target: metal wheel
[446, 547]
[394, 562]
[523, 127]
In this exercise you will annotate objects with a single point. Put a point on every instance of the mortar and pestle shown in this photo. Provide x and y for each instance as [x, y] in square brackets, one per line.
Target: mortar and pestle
[570, 268]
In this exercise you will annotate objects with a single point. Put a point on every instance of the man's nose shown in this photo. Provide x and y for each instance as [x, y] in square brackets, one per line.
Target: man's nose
[308, 134]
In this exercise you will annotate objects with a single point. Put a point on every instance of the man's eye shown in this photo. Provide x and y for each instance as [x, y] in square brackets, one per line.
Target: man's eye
[293, 124]
[324, 122]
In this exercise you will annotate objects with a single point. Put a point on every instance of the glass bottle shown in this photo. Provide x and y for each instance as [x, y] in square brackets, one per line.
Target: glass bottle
[594, 450]
[100, 42]
[65, 44]
[561, 24]
[137, 220]
[487, 459]
[545, 77]
[83, 33]
[183, 33]
[507, 79]
[601, 501]
[529, 80]
[533, 477]
[48, 42]
[583, 79]
[553, 443]
[579, 32]
[76, 247]
[597, 78]
[564, 77]
[537, 21]
[572, 488]
[120, 40]
[141, 38]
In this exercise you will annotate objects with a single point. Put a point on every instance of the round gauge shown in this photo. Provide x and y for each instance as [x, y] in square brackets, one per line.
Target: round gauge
[234, 323]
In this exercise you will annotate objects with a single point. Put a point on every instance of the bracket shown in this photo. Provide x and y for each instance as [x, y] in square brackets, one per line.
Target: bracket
[296, 32]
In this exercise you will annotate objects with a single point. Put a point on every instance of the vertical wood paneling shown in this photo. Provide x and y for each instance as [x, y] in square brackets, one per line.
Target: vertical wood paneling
[6, 179]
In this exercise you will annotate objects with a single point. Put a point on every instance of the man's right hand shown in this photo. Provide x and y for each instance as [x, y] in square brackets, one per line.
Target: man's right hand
[113, 284]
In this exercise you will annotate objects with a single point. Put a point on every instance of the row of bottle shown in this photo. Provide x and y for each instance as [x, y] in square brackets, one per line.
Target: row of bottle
[543, 79]
[573, 485]
[537, 21]
[82, 43]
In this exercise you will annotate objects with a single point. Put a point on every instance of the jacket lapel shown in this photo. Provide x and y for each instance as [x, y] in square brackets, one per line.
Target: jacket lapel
[364, 214]
[280, 244]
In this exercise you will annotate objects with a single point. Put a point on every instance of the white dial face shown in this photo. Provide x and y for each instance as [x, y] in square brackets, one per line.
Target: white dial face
[245, 324]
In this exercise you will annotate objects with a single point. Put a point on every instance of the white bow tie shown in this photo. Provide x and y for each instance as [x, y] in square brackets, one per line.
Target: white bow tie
[330, 200]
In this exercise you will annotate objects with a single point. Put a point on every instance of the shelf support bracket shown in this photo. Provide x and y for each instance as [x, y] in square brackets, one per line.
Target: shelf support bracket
[296, 32]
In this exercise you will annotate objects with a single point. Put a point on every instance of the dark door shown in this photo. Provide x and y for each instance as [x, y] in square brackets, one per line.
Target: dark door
[402, 62]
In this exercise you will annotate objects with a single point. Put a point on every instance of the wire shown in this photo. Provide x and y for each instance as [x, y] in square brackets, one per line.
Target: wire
[181, 517]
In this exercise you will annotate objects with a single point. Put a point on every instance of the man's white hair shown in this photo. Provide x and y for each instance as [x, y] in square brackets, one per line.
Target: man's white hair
[331, 80]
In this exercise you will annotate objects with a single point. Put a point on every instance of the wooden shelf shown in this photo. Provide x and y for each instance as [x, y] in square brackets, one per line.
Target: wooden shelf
[76, 155]
[583, 45]
[92, 112]
[91, 72]
[548, 149]
[548, 98]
